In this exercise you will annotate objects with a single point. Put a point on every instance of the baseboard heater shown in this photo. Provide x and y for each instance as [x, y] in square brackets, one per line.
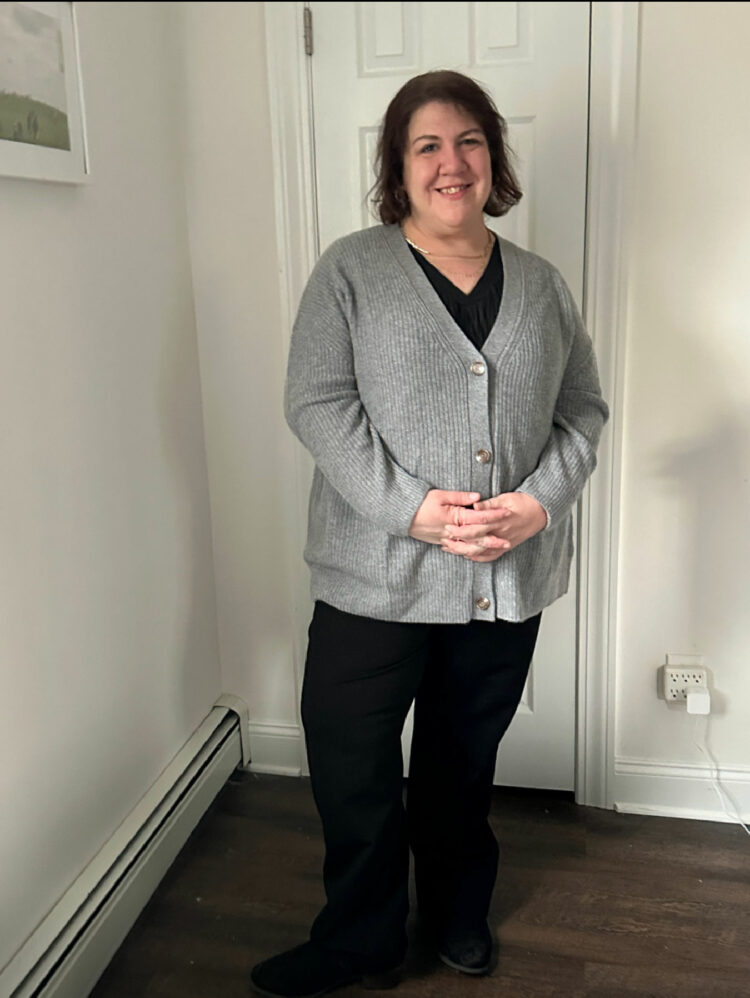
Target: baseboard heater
[66, 954]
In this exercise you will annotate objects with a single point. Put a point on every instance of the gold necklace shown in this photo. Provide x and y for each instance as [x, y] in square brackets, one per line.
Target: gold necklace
[454, 256]
[465, 274]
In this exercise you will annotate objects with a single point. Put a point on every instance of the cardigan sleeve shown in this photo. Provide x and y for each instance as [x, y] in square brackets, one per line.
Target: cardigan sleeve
[569, 456]
[324, 409]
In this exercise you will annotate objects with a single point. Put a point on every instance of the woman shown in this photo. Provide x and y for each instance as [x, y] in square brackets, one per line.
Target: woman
[444, 384]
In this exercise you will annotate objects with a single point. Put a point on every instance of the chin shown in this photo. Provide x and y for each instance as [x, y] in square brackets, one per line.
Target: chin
[462, 216]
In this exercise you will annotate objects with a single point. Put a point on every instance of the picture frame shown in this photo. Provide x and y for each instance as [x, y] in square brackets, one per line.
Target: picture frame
[42, 122]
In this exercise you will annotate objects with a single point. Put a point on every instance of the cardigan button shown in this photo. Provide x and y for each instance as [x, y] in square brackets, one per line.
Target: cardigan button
[477, 367]
[483, 456]
[482, 603]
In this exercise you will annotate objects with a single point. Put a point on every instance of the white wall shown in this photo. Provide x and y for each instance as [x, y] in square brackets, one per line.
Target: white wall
[108, 638]
[685, 531]
[230, 191]
[108, 631]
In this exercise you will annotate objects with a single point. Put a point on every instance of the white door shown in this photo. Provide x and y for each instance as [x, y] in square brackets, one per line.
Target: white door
[533, 57]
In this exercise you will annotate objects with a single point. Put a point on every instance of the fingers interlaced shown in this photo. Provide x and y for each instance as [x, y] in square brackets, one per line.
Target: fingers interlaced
[471, 533]
[488, 545]
[486, 516]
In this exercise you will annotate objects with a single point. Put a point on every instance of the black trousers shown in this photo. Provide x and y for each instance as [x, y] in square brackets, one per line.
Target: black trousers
[361, 677]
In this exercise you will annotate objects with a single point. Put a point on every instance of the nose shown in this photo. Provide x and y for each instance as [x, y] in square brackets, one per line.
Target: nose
[451, 161]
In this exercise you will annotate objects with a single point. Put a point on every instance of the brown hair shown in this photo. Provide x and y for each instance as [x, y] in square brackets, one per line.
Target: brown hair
[447, 87]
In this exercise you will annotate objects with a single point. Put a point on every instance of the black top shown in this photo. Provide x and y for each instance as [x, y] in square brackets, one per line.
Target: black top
[476, 312]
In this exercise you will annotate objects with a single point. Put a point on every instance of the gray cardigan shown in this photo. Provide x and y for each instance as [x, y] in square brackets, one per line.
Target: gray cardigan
[392, 399]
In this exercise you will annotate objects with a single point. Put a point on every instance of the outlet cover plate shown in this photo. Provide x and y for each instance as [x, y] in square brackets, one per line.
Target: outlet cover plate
[674, 681]
[685, 661]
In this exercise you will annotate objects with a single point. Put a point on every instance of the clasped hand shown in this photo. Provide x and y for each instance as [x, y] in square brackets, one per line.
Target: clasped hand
[480, 530]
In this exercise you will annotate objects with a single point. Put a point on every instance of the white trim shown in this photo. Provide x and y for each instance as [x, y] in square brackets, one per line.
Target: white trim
[67, 952]
[680, 790]
[681, 771]
[612, 115]
[276, 748]
[290, 95]
[662, 811]
[614, 54]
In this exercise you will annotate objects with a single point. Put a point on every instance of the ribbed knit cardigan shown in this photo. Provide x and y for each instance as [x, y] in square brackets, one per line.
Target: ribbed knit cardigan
[392, 400]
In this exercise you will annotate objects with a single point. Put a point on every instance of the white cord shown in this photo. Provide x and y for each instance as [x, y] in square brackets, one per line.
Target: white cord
[722, 794]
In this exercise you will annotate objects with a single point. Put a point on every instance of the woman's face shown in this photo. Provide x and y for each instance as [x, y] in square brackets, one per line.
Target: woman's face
[447, 168]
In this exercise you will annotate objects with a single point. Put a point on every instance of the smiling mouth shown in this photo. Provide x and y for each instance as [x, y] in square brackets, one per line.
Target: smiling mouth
[453, 190]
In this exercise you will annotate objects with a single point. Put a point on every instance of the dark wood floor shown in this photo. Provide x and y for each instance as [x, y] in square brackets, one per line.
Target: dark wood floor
[589, 904]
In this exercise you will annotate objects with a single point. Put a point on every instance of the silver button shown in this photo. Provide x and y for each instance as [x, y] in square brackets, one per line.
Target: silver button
[482, 603]
[477, 367]
[483, 456]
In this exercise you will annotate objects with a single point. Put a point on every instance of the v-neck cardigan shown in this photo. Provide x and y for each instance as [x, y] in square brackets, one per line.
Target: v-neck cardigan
[474, 313]
[392, 400]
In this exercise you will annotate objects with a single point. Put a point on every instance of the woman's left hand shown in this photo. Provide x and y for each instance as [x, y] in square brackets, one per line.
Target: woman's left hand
[525, 518]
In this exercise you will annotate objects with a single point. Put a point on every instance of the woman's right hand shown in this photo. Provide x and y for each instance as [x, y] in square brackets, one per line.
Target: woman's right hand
[441, 509]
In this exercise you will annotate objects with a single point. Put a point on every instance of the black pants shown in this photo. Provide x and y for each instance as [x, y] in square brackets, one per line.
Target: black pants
[361, 677]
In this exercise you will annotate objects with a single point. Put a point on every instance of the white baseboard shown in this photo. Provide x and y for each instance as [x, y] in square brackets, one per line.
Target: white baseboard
[67, 952]
[276, 748]
[679, 791]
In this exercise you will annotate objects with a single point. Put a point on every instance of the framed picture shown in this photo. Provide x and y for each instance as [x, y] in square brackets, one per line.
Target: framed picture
[42, 132]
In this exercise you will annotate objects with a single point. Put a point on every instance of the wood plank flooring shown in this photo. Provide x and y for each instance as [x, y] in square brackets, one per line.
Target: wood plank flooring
[589, 904]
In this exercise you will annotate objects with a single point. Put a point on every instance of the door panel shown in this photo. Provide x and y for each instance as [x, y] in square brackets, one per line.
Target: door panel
[533, 58]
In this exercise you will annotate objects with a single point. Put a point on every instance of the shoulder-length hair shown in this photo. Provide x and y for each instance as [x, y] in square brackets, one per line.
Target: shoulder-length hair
[447, 87]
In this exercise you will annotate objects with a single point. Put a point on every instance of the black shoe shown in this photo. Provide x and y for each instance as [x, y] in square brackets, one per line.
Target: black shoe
[467, 950]
[309, 970]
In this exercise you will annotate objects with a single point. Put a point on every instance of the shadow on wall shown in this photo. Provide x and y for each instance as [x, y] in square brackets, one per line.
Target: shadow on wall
[707, 479]
[196, 644]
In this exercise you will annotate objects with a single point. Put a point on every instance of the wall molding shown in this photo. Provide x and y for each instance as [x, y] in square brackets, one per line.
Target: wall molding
[290, 97]
[276, 748]
[680, 790]
[611, 169]
[682, 771]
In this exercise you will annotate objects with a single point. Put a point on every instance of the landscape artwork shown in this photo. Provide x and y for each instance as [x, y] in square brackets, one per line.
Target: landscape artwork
[33, 104]
[41, 113]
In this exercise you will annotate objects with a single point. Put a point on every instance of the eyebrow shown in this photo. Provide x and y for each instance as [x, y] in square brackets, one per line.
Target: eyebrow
[421, 138]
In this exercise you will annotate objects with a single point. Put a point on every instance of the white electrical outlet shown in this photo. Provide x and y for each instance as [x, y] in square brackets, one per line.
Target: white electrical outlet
[675, 682]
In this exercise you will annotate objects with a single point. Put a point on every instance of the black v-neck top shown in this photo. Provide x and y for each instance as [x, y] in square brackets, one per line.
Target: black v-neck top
[476, 312]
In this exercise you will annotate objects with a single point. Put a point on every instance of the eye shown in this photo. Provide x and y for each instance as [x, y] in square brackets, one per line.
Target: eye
[430, 147]
[470, 141]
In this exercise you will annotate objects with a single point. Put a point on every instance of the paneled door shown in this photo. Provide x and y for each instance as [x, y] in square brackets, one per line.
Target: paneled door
[534, 59]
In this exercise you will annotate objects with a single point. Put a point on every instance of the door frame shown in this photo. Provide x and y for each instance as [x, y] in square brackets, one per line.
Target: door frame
[610, 192]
